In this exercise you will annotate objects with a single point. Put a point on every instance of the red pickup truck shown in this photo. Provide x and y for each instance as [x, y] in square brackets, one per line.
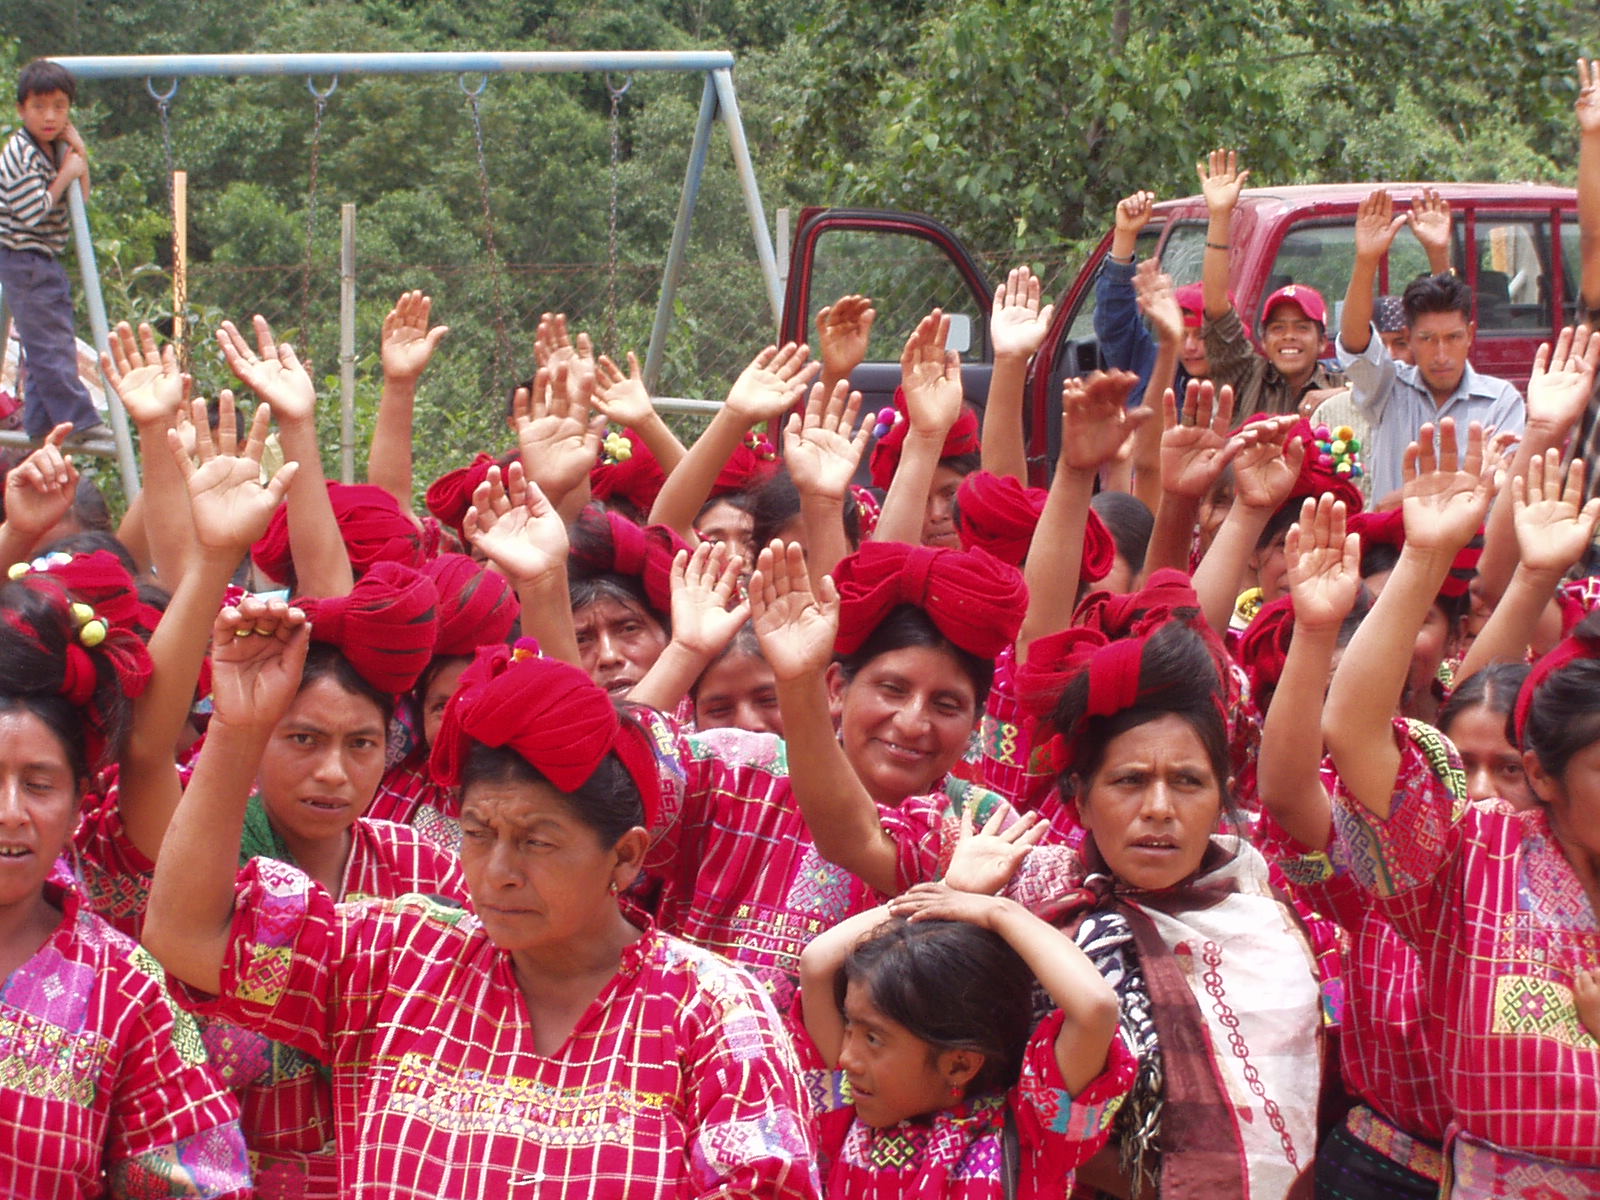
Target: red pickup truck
[1515, 245]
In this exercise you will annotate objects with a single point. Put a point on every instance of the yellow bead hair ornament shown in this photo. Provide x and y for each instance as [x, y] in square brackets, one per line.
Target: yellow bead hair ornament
[93, 633]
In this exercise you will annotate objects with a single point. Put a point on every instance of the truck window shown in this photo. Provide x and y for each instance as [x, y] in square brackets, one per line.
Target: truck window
[1183, 257]
[1513, 281]
[1082, 327]
[1571, 272]
[1319, 255]
[904, 274]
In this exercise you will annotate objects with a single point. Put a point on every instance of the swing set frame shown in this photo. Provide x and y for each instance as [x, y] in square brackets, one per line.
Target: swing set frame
[717, 101]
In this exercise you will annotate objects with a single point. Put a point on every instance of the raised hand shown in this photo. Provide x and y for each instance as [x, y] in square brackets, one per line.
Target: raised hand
[930, 376]
[821, 453]
[1265, 470]
[1324, 564]
[1588, 105]
[795, 627]
[1376, 224]
[272, 371]
[1134, 212]
[1195, 445]
[1554, 526]
[772, 384]
[230, 505]
[553, 347]
[843, 331]
[984, 861]
[41, 488]
[1017, 324]
[558, 439]
[1559, 388]
[621, 398]
[1158, 301]
[1097, 426]
[407, 340]
[941, 902]
[148, 380]
[1429, 219]
[1446, 493]
[1221, 180]
[258, 652]
[703, 585]
[514, 526]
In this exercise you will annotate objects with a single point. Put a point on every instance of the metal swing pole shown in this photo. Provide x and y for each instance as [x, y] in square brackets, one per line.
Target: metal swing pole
[101, 331]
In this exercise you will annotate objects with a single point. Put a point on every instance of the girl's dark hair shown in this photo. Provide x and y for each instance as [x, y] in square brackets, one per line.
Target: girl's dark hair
[775, 501]
[35, 633]
[1130, 523]
[907, 625]
[1495, 688]
[962, 464]
[621, 504]
[608, 802]
[737, 500]
[952, 984]
[1382, 557]
[1177, 677]
[90, 540]
[325, 661]
[1277, 525]
[742, 642]
[625, 589]
[1564, 716]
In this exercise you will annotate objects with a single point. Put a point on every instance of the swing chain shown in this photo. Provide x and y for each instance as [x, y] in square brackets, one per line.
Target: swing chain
[616, 93]
[163, 99]
[319, 98]
[502, 354]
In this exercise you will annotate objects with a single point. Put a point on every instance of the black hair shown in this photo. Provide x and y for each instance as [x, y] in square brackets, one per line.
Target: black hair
[1382, 556]
[953, 985]
[962, 464]
[1441, 293]
[1278, 523]
[744, 641]
[907, 625]
[583, 591]
[91, 540]
[326, 661]
[738, 500]
[1495, 688]
[1177, 677]
[624, 506]
[1130, 523]
[1564, 716]
[35, 635]
[608, 802]
[775, 502]
[419, 693]
[41, 77]
[588, 581]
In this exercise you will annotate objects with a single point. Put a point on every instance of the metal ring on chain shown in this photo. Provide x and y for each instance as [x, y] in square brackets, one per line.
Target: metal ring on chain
[163, 97]
[318, 93]
[627, 82]
[483, 82]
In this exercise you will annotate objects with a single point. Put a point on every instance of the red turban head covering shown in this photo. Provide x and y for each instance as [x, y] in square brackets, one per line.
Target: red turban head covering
[753, 463]
[1389, 529]
[607, 543]
[1264, 647]
[1317, 471]
[386, 627]
[550, 713]
[962, 439]
[636, 477]
[450, 495]
[999, 514]
[972, 598]
[1584, 642]
[476, 606]
[371, 523]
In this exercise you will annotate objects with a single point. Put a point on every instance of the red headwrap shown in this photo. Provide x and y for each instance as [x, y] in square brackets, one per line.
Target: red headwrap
[973, 598]
[1389, 529]
[1166, 593]
[1317, 474]
[450, 495]
[962, 439]
[371, 523]
[752, 464]
[386, 627]
[550, 713]
[610, 544]
[1264, 646]
[636, 479]
[476, 606]
[1568, 651]
[999, 514]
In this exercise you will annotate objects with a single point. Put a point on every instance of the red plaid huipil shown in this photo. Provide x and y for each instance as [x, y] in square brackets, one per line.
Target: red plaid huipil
[677, 1081]
[738, 869]
[408, 795]
[101, 1090]
[1501, 923]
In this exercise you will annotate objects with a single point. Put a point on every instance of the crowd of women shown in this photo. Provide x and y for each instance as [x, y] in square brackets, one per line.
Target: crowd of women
[642, 820]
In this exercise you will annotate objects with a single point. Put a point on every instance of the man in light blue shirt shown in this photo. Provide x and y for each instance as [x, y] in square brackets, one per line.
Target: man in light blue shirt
[1397, 398]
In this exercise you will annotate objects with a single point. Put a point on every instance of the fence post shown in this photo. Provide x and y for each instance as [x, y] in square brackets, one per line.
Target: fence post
[347, 342]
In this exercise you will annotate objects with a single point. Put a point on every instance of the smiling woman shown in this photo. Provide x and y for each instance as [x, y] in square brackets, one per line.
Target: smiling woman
[550, 1037]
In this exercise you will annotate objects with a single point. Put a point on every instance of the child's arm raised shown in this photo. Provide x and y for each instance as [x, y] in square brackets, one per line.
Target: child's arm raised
[1085, 999]
[704, 583]
[1017, 326]
[930, 377]
[39, 491]
[820, 964]
[625, 400]
[1445, 496]
[558, 438]
[822, 456]
[1195, 450]
[1159, 304]
[407, 345]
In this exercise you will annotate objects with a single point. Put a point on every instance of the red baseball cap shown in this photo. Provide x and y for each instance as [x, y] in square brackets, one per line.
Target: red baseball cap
[1191, 300]
[1308, 299]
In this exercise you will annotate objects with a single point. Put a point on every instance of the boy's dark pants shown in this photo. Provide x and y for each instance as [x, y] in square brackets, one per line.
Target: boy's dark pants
[40, 301]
